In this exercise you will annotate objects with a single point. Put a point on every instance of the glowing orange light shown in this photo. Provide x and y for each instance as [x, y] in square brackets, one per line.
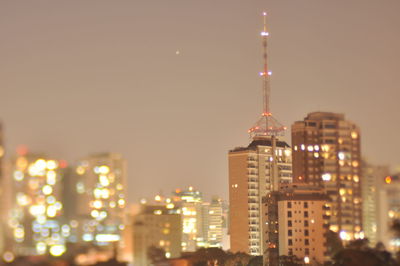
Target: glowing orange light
[63, 164]
[22, 150]
[388, 179]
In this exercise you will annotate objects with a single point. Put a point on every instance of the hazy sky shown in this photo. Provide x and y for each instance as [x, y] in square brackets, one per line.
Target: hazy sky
[78, 77]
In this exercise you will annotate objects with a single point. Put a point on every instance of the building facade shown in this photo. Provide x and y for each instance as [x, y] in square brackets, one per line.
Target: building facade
[35, 219]
[98, 201]
[389, 210]
[156, 226]
[251, 178]
[326, 153]
[190, 204]
[373, 180]
[295, 224]
[213, 222]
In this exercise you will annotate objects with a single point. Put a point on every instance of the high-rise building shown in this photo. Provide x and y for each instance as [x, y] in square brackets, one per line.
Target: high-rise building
[212, 221]
[2, 152]
[250, 179]
[389, 210]
[3, 184]
[373, 180]
[203, 222]
[156, 226]
[35, 218]
[256, 170]
[326, 153]
[296, 224]
[190, 203]
[97, 198]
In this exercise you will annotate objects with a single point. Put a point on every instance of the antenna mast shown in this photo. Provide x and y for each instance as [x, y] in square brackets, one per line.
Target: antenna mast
[267, 125]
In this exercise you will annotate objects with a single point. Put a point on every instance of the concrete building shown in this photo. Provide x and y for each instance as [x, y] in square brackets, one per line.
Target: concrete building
[97, 201]
[326, 153]
[190, 204]
[373, 201]
[213, 222]
[157, 226]
[295, 223]
[250, 179]
[3, 193]
[389, 210]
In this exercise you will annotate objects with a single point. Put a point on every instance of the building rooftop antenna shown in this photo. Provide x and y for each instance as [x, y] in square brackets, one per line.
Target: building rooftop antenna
[267, 125]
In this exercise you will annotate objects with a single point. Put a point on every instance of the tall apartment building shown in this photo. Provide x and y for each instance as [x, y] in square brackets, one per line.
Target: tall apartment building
[326, 153]
[156, 226]
[373, 181]
[295, 224]
[212, 222]
[97, 201]
[250, 179]
[3, 184]
[389, 210]
[256, 170]
[190, 203]
[2, 152]
[35, 220]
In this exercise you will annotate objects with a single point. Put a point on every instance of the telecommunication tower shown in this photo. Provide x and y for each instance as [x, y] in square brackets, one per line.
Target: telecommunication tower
[267, 125]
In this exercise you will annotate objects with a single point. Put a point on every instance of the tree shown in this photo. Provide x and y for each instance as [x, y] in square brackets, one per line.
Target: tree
[290, 261]
[155, 254]
[237, 259]
[395, 228]
[358, 244]
[209, 256]
[334, 243]
[357, 252]
[256, 261]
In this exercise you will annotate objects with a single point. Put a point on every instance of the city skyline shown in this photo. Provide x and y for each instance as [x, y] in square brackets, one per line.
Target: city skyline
[185, 91]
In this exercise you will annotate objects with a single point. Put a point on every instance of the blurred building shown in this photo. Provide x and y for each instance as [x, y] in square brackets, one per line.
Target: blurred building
[213, 222]
[373, 180]
[156, 226]
[96, 202]
[2, 152]
[203, 223]
[326, 153]
[295, 224]
[3, 184]
[190, 203]
[35, 221]
[389, 210]
[251, 177]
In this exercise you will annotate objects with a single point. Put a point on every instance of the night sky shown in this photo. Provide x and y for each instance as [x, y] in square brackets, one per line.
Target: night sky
[173, 84]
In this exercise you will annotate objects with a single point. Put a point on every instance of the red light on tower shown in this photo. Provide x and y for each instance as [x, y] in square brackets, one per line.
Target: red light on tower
[388, 179]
